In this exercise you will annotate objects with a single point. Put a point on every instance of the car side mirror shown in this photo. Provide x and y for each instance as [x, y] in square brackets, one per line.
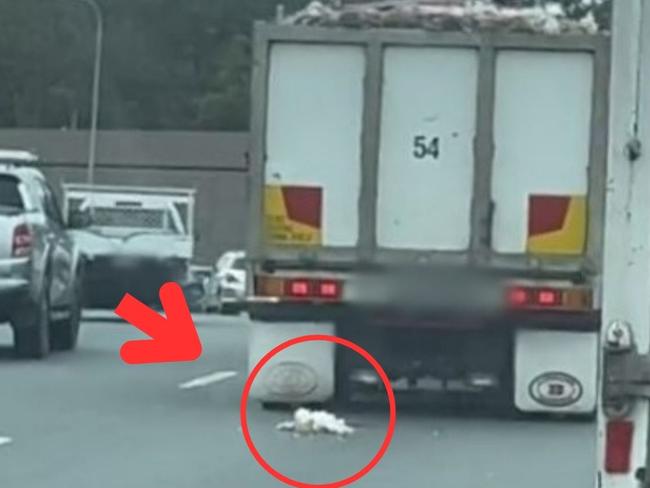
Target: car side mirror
[79, 219]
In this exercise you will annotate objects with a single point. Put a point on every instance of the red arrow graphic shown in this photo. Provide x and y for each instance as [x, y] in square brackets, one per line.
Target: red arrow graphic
[173, 337]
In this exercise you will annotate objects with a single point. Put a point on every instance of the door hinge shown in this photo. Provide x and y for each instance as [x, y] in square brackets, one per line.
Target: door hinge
[626, 372]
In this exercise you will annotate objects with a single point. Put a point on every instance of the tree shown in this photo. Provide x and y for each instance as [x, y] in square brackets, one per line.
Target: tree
[168, 64]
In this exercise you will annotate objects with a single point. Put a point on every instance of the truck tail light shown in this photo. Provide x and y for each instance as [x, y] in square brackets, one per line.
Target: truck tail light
[298, 288]
[619, 446]
[518, 297]
[308, 289]
[547, 298]
[22, 241]
[329, 289]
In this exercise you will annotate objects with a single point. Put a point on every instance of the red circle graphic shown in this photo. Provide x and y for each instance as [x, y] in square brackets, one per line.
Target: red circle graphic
[391, 403]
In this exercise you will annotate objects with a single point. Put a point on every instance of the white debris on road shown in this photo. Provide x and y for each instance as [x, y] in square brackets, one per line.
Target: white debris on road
[209, 379]
[588, 22]
[5, 440]
[307, 421]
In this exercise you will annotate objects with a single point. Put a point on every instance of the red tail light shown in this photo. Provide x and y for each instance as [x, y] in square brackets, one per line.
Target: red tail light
[548, 298]
[329, 289]
[22, 241]
[298, 288]
[518, 297]
[537, 298]
[309, 289]
[619, 446]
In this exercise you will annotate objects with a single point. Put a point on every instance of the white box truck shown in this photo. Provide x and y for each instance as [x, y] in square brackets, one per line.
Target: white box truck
[436, 196]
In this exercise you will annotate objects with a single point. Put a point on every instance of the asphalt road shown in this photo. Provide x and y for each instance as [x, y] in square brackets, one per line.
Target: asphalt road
[85, 420]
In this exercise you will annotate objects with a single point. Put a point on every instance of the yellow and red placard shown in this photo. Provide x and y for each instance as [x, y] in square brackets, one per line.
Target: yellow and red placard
[557, 224]
[293, 215]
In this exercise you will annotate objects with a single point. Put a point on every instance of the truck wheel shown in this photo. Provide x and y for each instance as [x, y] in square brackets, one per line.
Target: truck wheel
[32, 329]
[65, 332]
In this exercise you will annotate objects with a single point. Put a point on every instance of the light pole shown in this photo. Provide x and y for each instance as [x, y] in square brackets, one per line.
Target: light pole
[97, 73]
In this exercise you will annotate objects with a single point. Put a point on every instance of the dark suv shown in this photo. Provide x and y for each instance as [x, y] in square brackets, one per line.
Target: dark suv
[40, 267]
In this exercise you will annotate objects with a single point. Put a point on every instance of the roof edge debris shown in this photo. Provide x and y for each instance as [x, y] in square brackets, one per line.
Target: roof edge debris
[470, 15]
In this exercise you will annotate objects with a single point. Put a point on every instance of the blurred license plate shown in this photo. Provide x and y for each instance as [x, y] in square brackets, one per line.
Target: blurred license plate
[424, 290]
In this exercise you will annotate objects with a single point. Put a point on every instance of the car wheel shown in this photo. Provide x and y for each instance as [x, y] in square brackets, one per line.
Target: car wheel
[64, 333]
[230, 309]
[196, 298]
[32, 329]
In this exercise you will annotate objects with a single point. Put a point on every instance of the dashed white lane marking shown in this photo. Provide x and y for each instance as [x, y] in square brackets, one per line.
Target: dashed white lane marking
[5, 440]
[208, 379]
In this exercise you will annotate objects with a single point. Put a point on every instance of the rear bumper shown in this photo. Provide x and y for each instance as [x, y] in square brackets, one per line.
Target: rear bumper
[15, 285]
[233, 293]
[491, 369]
[11, 298]
[232, 296]
[107, 279]
[14, 269]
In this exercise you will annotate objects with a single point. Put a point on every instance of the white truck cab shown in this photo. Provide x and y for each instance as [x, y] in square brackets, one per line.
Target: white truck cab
[624, 434]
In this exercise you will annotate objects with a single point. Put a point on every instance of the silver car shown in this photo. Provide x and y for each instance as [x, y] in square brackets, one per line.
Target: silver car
[226, 289]
[40, 267]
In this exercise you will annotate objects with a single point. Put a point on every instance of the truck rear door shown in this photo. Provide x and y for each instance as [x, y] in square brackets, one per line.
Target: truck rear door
[426, 160]
[313, 145]
[411, 147]
[542, 133]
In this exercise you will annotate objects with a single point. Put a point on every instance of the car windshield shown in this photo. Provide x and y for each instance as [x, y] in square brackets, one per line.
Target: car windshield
[10, 197]
[239, 264]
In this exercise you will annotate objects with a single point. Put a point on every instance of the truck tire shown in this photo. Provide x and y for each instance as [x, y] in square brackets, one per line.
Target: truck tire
[64, 333]
[32, 329]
